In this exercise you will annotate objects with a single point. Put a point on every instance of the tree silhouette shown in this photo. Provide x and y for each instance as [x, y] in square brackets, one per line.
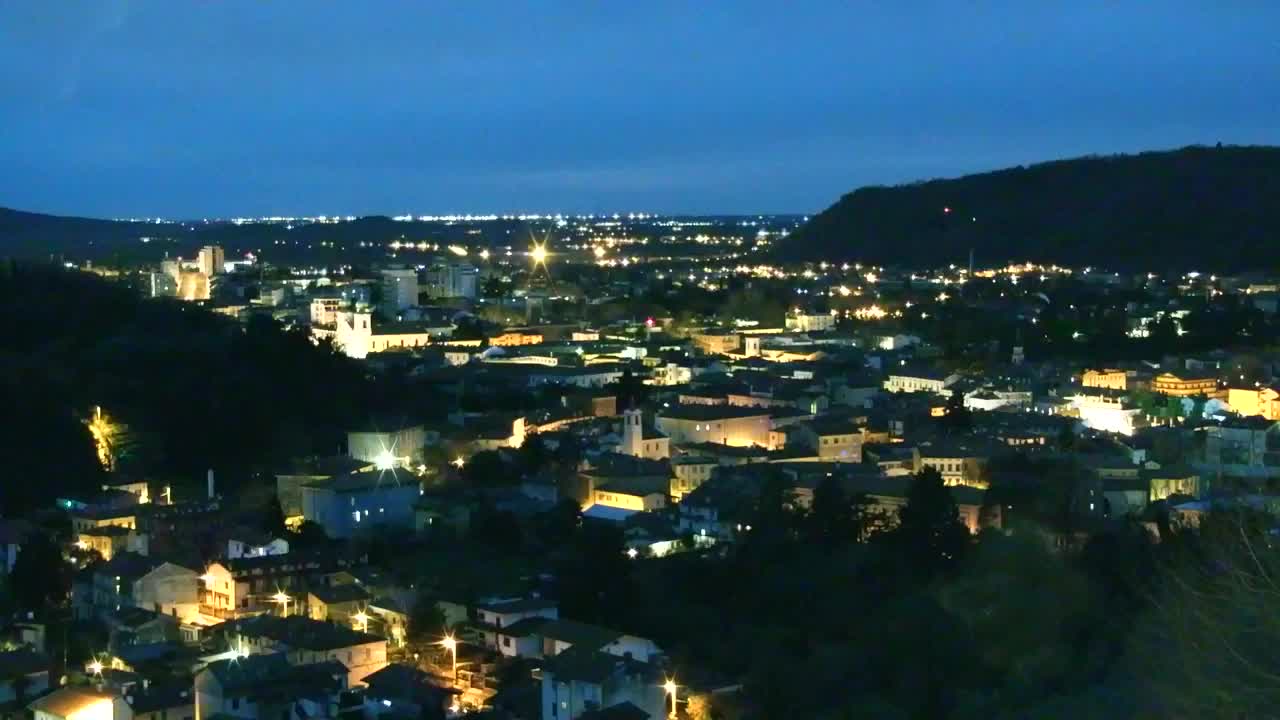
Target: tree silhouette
[930, 534]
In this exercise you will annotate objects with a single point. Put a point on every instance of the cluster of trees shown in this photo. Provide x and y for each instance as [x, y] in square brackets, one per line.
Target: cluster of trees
[196, 390]
[1203, 208]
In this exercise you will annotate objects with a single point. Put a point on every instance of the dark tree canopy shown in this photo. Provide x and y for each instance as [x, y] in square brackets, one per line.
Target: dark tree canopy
[1207, 208]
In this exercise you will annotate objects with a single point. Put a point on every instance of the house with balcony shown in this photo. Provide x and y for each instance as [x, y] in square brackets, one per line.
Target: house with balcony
[583, 683]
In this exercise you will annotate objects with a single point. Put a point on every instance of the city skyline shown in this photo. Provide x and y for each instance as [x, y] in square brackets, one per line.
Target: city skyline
[257, 110]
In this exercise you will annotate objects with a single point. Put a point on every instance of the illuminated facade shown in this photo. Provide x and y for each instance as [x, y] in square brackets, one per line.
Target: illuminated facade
[211, 260]
[818, 322]
[721, 424]
[717, 343]
[1109, 379]
[1171, 384]
[1264, 401]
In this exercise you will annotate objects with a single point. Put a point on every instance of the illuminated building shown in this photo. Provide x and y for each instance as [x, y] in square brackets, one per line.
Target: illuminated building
[348, 504]
[211, 260]
[324, 311]
[636, 494]
[109, 540]
[1108, 411]
[689, 472]
[515, 338]
[1171, 384]
[1110, 379]
[193, 286]
[833, 440]
[903, 379]
[721, 424]
[639, 441]
[356, 335]
[810, 322]
[1263, 401]
[73, 702]
[717, 342]
[399, 445]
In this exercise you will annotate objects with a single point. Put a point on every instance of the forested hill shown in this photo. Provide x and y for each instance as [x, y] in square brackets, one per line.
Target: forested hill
[1207, 208]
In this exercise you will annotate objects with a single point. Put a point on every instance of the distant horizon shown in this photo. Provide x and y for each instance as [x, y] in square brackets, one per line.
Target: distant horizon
[598, 214]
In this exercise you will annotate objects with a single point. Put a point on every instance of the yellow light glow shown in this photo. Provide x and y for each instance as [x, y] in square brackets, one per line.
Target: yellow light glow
[484, 254]
[449, 643]
[599, 251]
[94, 667]
[459, 461]
[384, 460]
[670, 687]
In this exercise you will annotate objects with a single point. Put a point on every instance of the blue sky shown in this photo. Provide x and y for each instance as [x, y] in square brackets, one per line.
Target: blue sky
[177, 108]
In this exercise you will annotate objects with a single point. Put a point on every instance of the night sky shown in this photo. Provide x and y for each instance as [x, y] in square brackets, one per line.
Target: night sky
[190, 109]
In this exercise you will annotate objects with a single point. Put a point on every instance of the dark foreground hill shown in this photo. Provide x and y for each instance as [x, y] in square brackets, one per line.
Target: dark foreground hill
[1198, 207]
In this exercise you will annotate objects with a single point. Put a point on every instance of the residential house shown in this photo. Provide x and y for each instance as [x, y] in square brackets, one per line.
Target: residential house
[305, 641]
[402, 691]
[832, 439]
[495, 619]
[268, 687]
[80, 702]
[582, 683]
[354, 502]
[337, 603]
[107, 540]
[1243, 447]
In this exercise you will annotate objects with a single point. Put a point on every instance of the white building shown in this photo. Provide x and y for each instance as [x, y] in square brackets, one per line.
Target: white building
[797, 322]
[1107, 413]
[903, 380]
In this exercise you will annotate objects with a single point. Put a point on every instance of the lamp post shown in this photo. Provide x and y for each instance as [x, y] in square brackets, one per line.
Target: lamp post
[283, 599]
[670, 687]
[450, 643]
[362, 621]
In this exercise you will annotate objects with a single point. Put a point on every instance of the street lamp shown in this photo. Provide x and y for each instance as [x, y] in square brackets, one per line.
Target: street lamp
[283, 599]
[450, 643]
[362, 620]
[94, 667]
[670, 687]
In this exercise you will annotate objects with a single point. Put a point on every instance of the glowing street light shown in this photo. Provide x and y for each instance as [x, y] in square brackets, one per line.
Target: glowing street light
[362, 621]
[384, 460]
[283, 599]
[450, 643]
[670, 687]
[539, 254]
[459, 461]
[632, 553]
[94, 667]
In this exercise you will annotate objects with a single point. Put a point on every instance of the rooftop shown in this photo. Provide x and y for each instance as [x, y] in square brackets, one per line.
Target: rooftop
[298, 631]
[710, 412]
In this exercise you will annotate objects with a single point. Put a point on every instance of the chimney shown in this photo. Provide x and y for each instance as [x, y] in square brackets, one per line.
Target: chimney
[209, 481]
